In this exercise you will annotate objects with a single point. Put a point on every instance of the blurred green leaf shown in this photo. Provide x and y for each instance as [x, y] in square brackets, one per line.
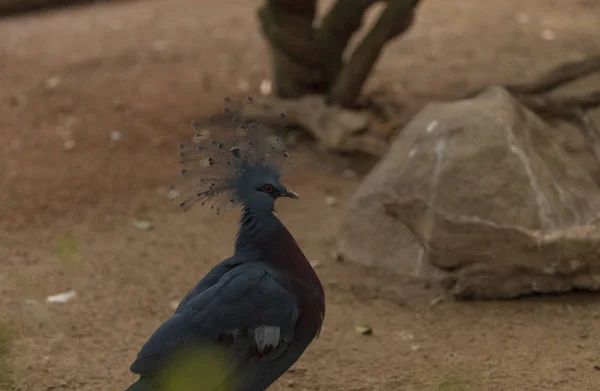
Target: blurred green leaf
[364, 330]
[199, 368]
[66, 248]
[451, 384]
[143, 225]
[6, 377]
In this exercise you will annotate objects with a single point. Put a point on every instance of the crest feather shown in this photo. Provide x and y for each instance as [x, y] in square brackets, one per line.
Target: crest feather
[221, 149]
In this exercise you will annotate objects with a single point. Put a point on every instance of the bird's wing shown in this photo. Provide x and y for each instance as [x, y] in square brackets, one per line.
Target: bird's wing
[210, 279]
[247, 312]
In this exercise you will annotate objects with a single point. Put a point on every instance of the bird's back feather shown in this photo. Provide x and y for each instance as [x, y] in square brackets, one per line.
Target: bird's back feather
[247, 313]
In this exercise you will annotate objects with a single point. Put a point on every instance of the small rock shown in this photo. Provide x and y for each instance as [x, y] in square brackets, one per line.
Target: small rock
[432, 125]
[436, 301]
[331, 201]
[548, 35]
[173, 194]
[315, 264]
[115, 135]
[414, 348]
[174, 304]
[266, 87]
[406, 336]
[69, 145]
[52, 82]
[349, 174]
[143, 225]
[61, 297]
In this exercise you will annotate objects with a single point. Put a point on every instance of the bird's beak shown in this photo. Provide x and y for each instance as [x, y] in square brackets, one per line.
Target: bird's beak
[289, 194]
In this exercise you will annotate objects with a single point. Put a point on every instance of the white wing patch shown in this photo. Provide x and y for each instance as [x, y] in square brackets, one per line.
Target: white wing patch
[266, 337]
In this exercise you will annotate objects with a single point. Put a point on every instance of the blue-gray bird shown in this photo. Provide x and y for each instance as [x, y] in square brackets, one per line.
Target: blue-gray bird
[257, 311]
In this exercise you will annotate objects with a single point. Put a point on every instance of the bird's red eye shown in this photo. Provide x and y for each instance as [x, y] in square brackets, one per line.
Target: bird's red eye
[267, 188]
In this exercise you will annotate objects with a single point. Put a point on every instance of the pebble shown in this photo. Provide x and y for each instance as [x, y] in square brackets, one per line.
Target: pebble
[266, 87]
[69, 145]
[52, 82]
[115, 135]
[349, 174]
[143, 225]
[548, 35]
[331, 201]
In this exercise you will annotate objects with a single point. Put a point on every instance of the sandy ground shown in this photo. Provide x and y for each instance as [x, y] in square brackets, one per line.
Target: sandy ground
[146, 69]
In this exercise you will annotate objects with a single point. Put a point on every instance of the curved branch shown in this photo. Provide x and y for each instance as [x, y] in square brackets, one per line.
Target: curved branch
[395, 19]
[558, 76]
[336, 29]
[560, 107]
[335, 128]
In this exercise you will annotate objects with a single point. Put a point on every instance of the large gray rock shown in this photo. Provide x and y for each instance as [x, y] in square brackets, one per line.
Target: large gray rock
[479, 195]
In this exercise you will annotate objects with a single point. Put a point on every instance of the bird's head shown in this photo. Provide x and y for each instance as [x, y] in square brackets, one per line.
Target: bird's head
[233, 161]
[259, 187]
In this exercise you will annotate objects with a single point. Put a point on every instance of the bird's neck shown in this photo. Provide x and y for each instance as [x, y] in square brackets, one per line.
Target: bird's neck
[263, 235]
[257, 228]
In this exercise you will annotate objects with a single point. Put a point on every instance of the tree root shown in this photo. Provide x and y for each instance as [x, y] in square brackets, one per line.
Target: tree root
[396, 18]
[336, 129]
[310, 59]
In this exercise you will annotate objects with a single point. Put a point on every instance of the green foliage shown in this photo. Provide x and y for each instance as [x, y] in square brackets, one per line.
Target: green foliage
[451, 384]
[66, 248]
[6, 376]
[195, 369]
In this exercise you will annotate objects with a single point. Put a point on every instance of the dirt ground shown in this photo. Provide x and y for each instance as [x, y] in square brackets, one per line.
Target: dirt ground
[72, 79]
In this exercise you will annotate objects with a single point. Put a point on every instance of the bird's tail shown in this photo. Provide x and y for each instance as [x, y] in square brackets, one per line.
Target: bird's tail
[141, 385]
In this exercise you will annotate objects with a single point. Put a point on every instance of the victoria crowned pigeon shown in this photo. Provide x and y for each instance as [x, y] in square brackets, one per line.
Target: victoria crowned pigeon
[256, 311]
